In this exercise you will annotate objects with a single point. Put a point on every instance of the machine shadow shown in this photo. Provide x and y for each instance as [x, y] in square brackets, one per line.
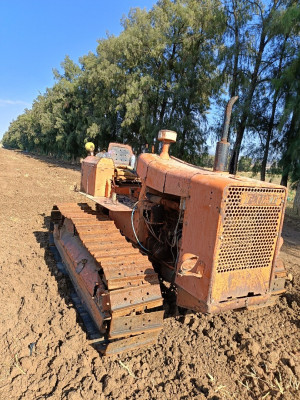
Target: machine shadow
[64, 284]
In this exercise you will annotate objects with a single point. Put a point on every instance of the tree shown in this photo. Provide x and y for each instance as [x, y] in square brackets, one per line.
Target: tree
[257, 71]
[164, 70]
[297, 200]
[245, 164]
[288, 83]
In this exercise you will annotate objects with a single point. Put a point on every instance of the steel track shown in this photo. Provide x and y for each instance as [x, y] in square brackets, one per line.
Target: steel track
[116, 283]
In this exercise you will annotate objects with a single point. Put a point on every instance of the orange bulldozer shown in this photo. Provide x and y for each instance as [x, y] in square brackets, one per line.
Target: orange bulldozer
[214, 237]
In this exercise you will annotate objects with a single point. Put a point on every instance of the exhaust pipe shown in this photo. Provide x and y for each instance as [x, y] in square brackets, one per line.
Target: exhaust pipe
[223, 146]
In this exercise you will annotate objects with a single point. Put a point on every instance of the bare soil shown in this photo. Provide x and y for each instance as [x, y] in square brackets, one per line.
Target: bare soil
[45, 353]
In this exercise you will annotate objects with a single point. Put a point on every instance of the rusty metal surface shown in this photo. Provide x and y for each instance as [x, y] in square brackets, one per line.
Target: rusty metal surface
[115, 281]
[251, 220]
[135, 324]
[227, 117]
[130, 298]
[235, 231]
[96, 176]
[186, 300]
[131, 343]
[221, 156]
[99, 315]
[222, 148]
[108, 203]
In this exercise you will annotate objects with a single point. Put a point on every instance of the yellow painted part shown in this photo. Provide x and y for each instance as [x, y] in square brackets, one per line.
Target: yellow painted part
[126, 173]
[96, 176]
[89, 146]
[104, 175]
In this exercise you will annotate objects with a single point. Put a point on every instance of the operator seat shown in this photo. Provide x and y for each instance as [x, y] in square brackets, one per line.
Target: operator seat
[124, 161]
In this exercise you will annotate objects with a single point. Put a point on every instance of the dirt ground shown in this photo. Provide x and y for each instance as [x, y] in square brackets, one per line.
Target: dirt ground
[44, 350]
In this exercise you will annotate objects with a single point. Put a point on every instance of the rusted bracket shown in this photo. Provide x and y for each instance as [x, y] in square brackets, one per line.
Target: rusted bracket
[81, 265]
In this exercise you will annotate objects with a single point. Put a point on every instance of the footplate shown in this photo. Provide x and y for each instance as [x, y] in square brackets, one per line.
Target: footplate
[117, 283]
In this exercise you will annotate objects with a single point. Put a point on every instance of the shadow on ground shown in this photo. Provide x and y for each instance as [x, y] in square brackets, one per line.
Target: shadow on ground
[64, 284]
[51, 161]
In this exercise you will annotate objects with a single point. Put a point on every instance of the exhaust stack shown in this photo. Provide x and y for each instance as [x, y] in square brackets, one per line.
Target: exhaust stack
[223, 146]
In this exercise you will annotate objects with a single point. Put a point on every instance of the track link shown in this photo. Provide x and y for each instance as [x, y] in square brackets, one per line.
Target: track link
[116, 283]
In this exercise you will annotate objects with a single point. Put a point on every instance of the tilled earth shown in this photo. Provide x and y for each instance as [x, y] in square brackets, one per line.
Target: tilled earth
[44, 350]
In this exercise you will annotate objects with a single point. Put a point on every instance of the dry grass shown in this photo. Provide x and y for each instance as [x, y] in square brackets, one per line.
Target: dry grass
[221, 389]
[274, 382]
[127, 369]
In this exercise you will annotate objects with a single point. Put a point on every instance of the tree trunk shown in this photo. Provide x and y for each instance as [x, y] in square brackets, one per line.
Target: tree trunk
[182, 144]
[284, 179]
[233, 89]
[286, 157]
[271, 122]
[237, 145]
[162, 110]
[268, 139]
[297, 200]
[236, 55]
[246, 109]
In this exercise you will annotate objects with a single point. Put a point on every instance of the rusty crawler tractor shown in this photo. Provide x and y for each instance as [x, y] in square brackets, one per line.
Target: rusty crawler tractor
[215, 236]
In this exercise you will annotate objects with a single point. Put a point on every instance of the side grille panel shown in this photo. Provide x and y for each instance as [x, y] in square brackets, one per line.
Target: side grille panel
[251, 219]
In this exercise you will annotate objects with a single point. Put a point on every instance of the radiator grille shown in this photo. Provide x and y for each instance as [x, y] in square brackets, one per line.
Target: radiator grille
[251, 221]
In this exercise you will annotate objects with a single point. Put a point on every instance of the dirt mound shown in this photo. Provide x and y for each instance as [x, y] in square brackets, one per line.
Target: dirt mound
[45, 353]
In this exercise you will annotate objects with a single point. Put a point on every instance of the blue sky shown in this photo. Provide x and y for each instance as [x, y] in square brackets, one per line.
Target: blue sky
[35, 37]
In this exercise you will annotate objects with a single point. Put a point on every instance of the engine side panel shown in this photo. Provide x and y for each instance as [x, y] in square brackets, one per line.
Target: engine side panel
[250, 227]
[235, 231]
[200, 227]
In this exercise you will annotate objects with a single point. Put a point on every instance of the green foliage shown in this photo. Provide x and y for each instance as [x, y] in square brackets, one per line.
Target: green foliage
[160, 71]
[164, 70]
[256, 167]
[274, 169]
[206, 160]
[245, 164]
[288, 84]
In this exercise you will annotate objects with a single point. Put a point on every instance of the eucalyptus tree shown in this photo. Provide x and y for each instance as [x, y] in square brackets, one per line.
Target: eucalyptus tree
[159, 72]
[271, 99]
[67, 109]
[290, 122]
[19, 133]
[288, 84]
[268, 101]
[248, 63]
